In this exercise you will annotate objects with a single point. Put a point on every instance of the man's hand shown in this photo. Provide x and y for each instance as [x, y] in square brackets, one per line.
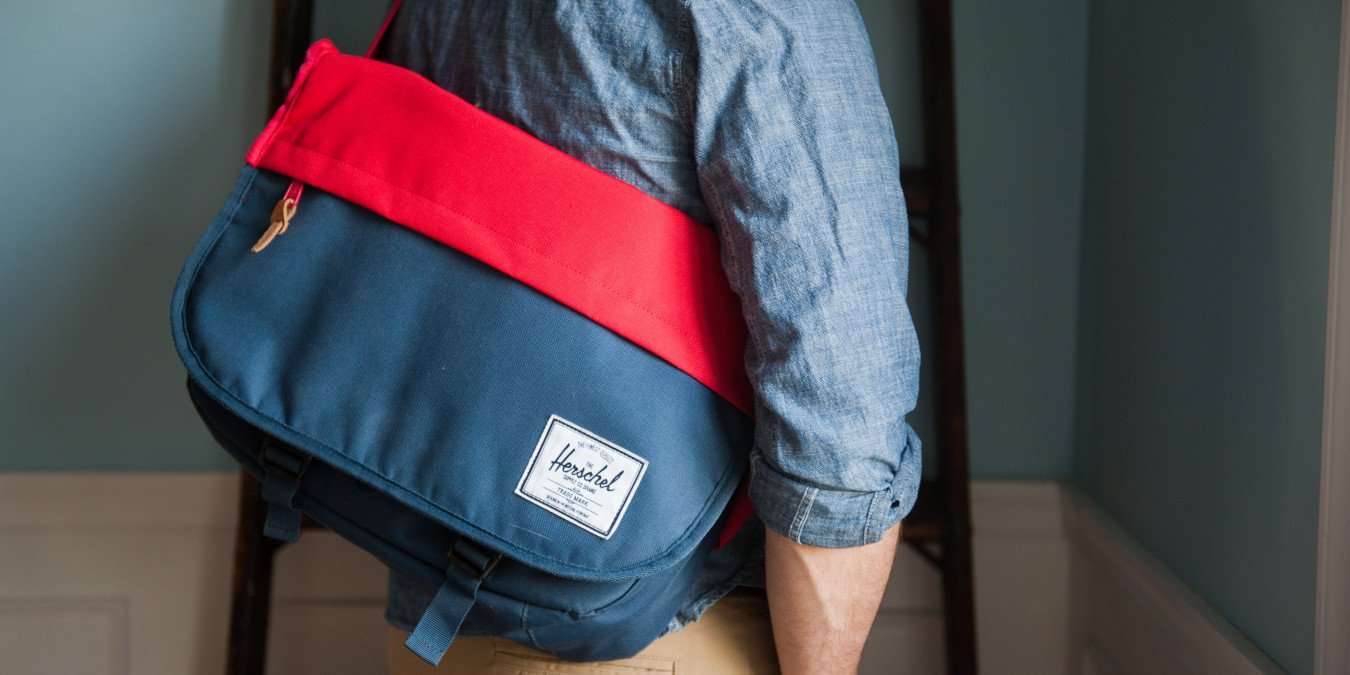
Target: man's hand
[822, 601]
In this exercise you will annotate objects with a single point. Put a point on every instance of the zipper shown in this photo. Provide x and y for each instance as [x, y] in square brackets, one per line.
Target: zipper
[282, 214]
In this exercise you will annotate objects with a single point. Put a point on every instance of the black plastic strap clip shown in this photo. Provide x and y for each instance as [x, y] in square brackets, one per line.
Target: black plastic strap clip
[472, 558]
[283, 469]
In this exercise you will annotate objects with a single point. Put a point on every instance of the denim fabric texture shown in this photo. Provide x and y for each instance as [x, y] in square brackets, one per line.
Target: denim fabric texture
[765, 121]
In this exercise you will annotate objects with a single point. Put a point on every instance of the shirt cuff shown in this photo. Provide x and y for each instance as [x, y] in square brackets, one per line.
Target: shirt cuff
[817, 516]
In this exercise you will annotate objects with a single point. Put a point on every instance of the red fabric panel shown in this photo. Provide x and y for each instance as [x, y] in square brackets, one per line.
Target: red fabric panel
[393, 142]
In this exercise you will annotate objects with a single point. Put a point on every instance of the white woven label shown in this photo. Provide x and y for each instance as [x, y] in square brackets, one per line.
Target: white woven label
[581, 477]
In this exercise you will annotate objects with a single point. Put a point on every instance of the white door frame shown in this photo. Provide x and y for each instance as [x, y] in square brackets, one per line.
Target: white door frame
[1332, 650]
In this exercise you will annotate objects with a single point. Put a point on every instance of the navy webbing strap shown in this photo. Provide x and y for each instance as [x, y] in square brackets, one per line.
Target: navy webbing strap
[436, 630]
[283, 466]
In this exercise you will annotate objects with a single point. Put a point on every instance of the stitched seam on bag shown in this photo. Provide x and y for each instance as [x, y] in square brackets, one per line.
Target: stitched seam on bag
[525, 621]
[608, 605]
[525, 624]
[627, 299]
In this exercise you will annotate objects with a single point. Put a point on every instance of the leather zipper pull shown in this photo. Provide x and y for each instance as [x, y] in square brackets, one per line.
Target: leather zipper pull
[282, 214]
[281, 219]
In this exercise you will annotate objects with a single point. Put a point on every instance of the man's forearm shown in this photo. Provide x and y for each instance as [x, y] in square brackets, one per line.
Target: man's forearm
[823, 600]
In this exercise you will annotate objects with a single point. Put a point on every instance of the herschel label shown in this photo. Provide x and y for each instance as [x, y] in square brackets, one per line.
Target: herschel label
[581, 477]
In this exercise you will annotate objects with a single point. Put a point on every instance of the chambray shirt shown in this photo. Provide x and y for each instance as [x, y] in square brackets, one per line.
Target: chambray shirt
[765, 121]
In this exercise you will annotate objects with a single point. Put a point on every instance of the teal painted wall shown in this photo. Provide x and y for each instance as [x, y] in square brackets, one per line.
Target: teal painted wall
[130, 123]
[1206, 229]
[122, 128]
[1021, 70]
[1021, 73]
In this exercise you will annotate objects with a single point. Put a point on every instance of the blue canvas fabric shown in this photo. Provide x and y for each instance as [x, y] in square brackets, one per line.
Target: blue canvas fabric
[765, 120]
[394, 389]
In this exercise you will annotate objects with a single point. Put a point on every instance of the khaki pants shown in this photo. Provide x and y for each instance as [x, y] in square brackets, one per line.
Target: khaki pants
[734, 637]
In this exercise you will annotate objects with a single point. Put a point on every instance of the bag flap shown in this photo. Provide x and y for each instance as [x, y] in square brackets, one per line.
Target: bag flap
[590, 427]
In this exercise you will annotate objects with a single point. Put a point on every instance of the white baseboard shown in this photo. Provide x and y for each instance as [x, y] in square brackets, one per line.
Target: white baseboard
[129, 573]
[1130, 615]
[1021, 577]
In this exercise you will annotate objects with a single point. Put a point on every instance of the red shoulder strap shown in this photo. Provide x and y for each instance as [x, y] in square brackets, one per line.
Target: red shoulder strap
[384, 28]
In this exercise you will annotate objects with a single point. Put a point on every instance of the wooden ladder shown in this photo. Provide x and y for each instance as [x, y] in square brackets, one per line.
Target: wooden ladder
[939, 526]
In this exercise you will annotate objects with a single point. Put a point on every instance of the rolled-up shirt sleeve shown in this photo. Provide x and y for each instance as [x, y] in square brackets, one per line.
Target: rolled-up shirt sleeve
[799, 167]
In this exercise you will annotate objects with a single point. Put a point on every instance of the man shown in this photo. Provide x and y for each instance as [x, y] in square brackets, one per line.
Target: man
[765, 121]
